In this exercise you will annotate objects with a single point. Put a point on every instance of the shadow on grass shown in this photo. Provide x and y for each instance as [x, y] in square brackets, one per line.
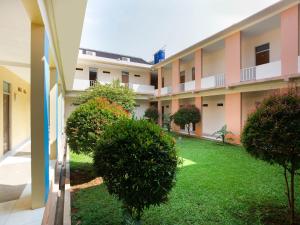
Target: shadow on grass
[81, 173]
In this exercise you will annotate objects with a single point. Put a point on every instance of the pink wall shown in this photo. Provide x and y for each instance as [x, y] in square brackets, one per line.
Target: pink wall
[159, 112]
[159, 80]
[198, 104]
[289, 40]
[175, 75]
[233, 115]
[198, 69]
[174, 109]
[233, 58]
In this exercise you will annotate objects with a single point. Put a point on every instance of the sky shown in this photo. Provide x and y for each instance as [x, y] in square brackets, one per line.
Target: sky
[141, 27]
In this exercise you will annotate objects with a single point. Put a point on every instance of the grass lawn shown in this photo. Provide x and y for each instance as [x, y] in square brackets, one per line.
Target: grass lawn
[216, 185]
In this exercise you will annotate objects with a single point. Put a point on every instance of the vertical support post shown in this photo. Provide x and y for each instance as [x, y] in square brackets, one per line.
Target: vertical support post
[159, 109]
[175, 76]
[53, 114]
[198, 104]
[174, 109]
[289, 41]
[233, 115]
[233, 59]
[198, 69]
[40, 79]
[159, 80]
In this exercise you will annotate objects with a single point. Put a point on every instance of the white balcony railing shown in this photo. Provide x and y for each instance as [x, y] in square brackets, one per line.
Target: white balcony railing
[166, 91]
[81, 85]
[213, 81]
[142, 88]
[187, 86]
[264, 71]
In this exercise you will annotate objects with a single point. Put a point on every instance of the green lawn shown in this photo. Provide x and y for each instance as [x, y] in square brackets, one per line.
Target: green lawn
[216, 185]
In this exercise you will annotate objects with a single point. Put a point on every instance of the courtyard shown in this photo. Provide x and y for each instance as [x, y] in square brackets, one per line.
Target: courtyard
[216, 184]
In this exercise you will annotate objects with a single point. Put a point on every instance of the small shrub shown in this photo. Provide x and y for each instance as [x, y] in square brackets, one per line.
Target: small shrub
[138, 162]
[87, 122]
[222, 134]
[187, 115]
[272, 134]
[114, 92]
[167, 118]
[152, 114]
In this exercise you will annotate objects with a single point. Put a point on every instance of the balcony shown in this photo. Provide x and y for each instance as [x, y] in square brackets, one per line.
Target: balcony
[187, 86]
[142, 88]
[166, 91]
[213, 81]
[81, 85]
[265, 71]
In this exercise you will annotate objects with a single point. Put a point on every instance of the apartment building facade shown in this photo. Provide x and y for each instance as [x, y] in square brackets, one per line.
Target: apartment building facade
[228, 74]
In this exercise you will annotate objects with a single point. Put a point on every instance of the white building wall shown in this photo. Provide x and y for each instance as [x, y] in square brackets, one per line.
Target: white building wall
[213, 62]
[141, 107]
[250, 42]
[213, 116]
[187, 67]
[167, 74]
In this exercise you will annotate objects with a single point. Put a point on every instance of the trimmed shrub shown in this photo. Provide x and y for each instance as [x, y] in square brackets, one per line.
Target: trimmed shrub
[114, 92]
[187, 115]
[272, 133]
[138, 162]
[152, 114]
[87, 122]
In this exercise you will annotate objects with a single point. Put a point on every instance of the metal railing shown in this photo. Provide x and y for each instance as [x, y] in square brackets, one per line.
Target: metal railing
[220, 80]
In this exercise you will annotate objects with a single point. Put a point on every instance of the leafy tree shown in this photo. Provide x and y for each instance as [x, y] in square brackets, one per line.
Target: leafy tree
[222, 134]
[187, 115]
[114, 92]
[86, 124]
[138, 162]
[272, 134]
[152, 114]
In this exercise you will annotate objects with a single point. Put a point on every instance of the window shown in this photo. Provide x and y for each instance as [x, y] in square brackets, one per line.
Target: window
[162, 82]
[220, 104]
[90, 53]
[262, 54]
[137, 75]
[127, 59]
[106, 72]
[125, 77]
[205, 105]
[81, 69]
[6, 88]
[182, 77]
[193, 73]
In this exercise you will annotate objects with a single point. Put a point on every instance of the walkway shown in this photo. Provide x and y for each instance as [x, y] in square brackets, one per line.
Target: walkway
[15, 190]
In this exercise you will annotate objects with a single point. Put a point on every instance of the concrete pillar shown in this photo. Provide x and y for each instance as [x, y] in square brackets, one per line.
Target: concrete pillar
[198, 69]
[233, 115]
[159, 80]
[175, 76]
[174, 109]
[40, 79]
[289, 41]
[198, 104]
[233, 58]
[159, 109]
[53, 113]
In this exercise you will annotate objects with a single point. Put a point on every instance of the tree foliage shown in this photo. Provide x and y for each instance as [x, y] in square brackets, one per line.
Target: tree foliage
[87, 122]
[152, 114]
[272, 134]
[187, 115]
[114, 92]
[138, 162]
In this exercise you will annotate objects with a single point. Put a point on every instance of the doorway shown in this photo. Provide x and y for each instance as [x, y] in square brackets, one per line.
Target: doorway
[93, 76]
[125, 77]
[6, 116]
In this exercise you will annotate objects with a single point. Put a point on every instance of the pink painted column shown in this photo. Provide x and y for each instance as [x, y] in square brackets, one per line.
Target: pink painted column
[159, 109]
[159, 80]
[174, 109]
[175, 76]
[289, 41]
[233, 115]
[198, 104]
[198, 69]
[233, 58]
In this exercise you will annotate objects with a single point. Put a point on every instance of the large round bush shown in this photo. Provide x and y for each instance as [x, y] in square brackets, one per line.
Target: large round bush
[272, 133]
[87, 122]
[137, 161]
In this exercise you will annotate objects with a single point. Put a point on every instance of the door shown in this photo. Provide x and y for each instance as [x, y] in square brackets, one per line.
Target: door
[93, 76]
[125, 77]
[6, 117]
[182, 77]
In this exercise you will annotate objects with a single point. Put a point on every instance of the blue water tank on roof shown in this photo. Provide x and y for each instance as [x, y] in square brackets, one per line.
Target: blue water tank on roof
[159, 56]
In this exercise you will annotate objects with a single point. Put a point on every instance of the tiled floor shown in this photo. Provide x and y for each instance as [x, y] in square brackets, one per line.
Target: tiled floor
[15, 178]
